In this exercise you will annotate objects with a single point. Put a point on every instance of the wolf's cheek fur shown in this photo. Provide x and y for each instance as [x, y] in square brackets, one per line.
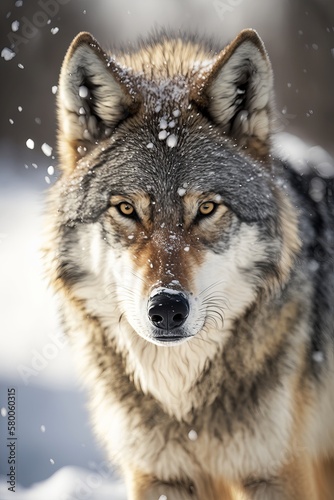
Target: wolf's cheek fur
[116, 282]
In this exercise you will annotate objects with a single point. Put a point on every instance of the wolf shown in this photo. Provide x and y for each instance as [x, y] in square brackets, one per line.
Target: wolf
[194, 271]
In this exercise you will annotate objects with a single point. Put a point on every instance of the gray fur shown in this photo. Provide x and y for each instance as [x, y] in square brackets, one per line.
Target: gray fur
[243, 402]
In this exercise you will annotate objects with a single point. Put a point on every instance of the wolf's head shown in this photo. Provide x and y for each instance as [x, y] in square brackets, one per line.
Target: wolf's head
[169, 222]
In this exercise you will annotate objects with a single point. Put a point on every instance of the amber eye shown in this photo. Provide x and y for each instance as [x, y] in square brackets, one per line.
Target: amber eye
[207, 208]
[126, 209]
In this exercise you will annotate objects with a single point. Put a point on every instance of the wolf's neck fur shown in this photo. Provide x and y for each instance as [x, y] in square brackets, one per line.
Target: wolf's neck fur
[176, 376]
[170, 374]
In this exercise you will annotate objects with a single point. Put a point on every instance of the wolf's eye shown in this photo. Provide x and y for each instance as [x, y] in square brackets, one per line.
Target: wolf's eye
[126, 209]
[207, 208]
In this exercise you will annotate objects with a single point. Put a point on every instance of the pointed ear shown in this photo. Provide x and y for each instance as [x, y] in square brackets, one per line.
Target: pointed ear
[237, 92]
[92, 99]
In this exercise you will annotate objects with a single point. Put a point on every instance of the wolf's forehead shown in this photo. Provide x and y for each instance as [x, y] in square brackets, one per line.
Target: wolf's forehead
[166, 103]
[165, 91]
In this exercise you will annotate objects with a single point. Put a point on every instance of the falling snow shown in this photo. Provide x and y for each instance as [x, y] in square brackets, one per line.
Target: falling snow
[149, 145]
[181, 191]
[47, 150]
[192, 435]
[54, 31]
[162, 135]
[163, 123]
[81, 150]
[318, 356]
[83, 91]
[30, 144]
[54, 89]
[15, 25]
[171, 141]
[7, 54]
[317, 189]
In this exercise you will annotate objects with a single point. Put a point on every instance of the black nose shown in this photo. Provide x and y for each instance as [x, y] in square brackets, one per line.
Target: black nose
[168, 310]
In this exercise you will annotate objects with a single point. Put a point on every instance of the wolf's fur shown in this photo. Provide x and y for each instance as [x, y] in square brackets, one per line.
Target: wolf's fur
[240, 404]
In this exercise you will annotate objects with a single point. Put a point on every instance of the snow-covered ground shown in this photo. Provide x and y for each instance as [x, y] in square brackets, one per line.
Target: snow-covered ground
[70, 483]
[57, 457]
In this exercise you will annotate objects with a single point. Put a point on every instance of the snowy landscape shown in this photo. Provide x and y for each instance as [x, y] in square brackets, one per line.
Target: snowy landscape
[57, 456]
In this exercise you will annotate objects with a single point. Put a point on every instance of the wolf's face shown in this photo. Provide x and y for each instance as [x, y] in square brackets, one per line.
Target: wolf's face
[166, 223]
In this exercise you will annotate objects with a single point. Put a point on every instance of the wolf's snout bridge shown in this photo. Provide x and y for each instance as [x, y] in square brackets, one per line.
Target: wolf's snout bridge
[168, 311]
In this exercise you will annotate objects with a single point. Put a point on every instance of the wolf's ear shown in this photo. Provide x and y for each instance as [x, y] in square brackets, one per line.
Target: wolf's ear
[91, 98]
[237, 92]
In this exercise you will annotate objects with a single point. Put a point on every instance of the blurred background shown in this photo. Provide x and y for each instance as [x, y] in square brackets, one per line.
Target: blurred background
[57, 455]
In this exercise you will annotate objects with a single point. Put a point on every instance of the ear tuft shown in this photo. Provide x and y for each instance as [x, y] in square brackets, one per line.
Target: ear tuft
[92, 98]
[237, 92]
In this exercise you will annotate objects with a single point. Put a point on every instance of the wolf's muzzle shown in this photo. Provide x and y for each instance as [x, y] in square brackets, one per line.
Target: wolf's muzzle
[168, 311]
